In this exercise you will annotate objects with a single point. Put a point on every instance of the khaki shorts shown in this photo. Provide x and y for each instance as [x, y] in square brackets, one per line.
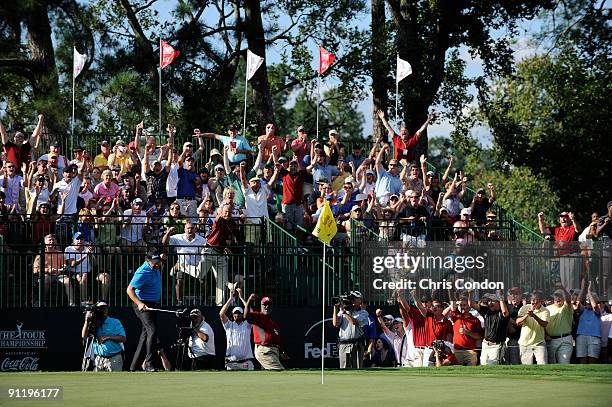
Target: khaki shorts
[268, 357]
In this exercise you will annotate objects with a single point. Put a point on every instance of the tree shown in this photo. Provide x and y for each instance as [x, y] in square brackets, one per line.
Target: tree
[553, 116]
[425, 32]
[34, 61]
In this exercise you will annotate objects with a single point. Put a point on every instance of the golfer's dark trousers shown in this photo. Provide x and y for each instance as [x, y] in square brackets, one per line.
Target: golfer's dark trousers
[148, 336]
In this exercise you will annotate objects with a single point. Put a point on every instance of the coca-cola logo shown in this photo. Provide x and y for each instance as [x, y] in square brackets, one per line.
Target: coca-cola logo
[25, 364]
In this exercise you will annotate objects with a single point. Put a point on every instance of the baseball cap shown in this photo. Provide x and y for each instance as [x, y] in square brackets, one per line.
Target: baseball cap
[333, 131]
[389, 317]
[266, 300]
[104, 143]
[466, 211]
[357, 294]
[282, 160]
[108, 199]
[564, 214]
[187, 143]
[355, 207]
[100, 304]
[190, 158]
[214, 151]
[77, 235]
[55, 144]
[431, 173]
[369, 172]
[137, 200]
[398, 319]
[237, 309]
[394, 195]
[361, 197]
[231, 127]
[609, 204]
[300, 128]
[480, 190]
[120, 143]
[322, 180]
[219, 167]
[195, 312]
[356, 146]
[255, 179]
[53, 155]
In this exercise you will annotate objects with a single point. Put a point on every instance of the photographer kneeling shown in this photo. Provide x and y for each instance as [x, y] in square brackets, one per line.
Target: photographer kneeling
[351, 319]
[109, 336]
[201, 342]
[442, 354]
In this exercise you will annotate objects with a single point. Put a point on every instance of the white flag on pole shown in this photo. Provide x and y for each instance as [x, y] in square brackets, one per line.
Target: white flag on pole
[403, 69]
[78, 64]
[254, 61]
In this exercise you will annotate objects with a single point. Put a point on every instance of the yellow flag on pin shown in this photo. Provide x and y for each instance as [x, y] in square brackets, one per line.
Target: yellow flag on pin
[326, 225]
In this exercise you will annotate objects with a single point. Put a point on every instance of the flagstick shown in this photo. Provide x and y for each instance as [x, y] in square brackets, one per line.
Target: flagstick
[396, 99]
[246, 86]
[323, 318]
[72, 122]
[160, 102]
[318, 102]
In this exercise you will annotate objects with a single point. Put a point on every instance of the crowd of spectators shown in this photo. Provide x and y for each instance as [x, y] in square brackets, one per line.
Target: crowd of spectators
[521, 328]
[125, 195]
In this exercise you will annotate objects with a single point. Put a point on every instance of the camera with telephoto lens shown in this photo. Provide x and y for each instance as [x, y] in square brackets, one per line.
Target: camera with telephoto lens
[184, 323]
[97, 315]
[438, 345]
[346, 300]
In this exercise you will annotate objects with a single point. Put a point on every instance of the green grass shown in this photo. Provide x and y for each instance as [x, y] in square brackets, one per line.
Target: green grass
[457, 386]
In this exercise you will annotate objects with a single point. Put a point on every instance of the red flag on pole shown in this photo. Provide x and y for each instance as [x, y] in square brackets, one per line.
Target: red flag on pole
[326, 58]
[166, 54]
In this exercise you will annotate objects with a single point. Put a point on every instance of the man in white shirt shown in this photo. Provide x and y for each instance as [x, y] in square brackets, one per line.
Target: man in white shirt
[79, 258]
[201, 342]
[238, 354]
[189, 247]
[256, 203]
[71, 183]
[11, 184]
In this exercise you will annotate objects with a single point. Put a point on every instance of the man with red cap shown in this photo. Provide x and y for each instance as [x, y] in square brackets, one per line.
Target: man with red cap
[265, 333]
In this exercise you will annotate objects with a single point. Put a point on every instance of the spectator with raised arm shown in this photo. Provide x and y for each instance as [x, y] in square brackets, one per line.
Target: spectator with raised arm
[565, 237]
[101, 160]
[269, 140]
[588, 342]
[387, 182]
[422, 334]
[256, 202]
[238, 146]
[403, 144]
[121, 156]
[11, 184]
[466, 332]
[238, 353]
[496, 317]
[19, 150]
[266, 333]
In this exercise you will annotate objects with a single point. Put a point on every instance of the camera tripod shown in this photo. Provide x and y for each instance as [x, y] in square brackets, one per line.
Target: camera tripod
[182, 348]
[88, 355]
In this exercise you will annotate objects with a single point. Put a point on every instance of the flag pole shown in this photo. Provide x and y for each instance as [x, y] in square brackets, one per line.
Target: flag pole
[396, 99]
[318, 102]
[73, 82]
[246, 86]
[160, 88]
[323, 316]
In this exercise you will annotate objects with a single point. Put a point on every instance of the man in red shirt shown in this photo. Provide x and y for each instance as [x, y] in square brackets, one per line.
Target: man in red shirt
[466, 331]
[293, 183]
[422, 329]
[402, 143]
[265, 333]
[19, 150]
[269, 140]
[222, 236]
[566, 243]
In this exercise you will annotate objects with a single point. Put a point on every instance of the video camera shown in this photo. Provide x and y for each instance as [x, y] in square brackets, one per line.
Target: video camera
[346, 300]
[185, 323]
[438, 345]
[97, 317]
